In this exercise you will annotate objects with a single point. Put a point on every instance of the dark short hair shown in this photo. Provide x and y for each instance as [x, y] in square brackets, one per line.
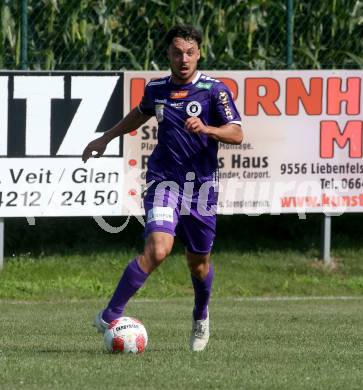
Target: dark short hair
[186, 32]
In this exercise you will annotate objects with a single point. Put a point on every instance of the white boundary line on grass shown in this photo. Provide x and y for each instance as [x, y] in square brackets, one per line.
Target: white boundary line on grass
[264, 299]
[311, 298]
[233, 299]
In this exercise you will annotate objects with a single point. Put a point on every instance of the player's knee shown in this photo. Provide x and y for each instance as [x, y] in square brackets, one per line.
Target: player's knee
[156, 253]
[200, 271]
[198, 265]
[157, 248]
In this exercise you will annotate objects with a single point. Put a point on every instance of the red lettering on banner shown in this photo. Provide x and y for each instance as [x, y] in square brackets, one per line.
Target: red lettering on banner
[253, 99]
[137, 87]
[330, 133]
[336, 96]
[296, 92]
[231, 84]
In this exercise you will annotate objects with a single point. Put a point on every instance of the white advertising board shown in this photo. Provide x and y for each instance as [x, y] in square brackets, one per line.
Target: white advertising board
[302, 150]
[46, 122]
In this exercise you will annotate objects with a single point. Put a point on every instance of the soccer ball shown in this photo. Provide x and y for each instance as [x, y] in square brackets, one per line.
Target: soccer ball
[126, 335]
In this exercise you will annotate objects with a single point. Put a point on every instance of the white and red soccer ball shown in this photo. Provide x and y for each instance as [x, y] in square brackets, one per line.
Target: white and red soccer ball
[126, 335]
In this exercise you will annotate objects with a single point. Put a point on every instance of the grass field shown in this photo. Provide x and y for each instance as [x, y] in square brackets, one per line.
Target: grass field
[48, 300]
[308, 344]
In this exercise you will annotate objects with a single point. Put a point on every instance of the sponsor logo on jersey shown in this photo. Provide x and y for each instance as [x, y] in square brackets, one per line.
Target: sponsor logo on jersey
[161, 101]
[159, 112]
[207, 78]
[202, 85]
[194, 108]
[157, 82]
[178, 105]
[223, 98]
[179, 94]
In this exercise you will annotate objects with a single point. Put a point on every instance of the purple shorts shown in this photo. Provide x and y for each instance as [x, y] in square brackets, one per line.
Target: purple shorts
[193, 221]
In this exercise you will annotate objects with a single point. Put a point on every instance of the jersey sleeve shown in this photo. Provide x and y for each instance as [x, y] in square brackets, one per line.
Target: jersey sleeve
[146, 105]
[225, 111]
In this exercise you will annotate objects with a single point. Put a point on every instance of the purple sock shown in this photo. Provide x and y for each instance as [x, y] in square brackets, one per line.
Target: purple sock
[132, 279]
[202, 291]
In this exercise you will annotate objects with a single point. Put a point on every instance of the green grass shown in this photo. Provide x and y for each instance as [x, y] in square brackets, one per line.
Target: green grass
[238, 273]
[47, 304]
[49, 297]
[310, 344]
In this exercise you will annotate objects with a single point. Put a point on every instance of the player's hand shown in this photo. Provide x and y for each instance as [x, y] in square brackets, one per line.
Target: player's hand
[98, 145]
[195, 125]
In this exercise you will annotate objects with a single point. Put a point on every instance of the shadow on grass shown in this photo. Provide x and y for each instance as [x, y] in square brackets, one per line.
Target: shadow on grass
[53, 350]
[87, 351]
[166, 349]
[239, 232]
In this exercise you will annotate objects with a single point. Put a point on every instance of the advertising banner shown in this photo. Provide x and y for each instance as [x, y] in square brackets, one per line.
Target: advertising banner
[46, 122]
[302, 149]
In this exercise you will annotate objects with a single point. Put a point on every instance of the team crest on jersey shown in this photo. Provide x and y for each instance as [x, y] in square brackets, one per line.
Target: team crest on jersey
[179, 94]
[194, 108]
[159, 112]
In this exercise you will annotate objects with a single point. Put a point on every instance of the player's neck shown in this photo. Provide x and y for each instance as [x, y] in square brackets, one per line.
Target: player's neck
[176, 80]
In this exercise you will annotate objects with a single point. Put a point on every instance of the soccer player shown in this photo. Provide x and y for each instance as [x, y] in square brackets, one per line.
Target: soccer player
[194, 113]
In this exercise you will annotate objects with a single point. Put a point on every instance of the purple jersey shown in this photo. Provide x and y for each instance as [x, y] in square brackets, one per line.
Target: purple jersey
[179, 151]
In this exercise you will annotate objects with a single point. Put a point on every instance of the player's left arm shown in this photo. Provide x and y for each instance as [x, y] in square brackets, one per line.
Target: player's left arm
[230, 133]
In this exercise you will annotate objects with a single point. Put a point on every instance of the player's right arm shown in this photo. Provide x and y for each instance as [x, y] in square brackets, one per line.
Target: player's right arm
[133, 120]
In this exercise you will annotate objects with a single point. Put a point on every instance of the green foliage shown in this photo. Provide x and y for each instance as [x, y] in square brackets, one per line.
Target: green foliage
[285, 345]
[125, 34]
[334, 34]
[9, 34]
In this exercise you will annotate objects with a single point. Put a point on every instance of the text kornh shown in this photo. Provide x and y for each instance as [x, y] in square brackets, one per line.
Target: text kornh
[333, 96]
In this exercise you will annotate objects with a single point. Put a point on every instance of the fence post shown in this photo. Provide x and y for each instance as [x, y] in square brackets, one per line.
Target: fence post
[289, 32]
[24, 35]
[325, 241]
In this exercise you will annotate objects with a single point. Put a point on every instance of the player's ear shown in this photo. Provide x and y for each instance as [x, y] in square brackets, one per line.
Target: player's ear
[198, 53]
